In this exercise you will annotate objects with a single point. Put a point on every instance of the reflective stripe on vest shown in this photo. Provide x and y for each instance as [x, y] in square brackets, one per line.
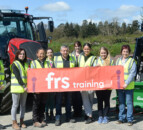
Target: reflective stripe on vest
[37, 65]
[58, 62]
[47, 64]
[2, 76]
[99, 61]
[127, 67]
[15, 86]
[82, 63]
[72, 54]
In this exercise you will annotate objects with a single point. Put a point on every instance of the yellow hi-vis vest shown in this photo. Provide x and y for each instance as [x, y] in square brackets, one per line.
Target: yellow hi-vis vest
[89, 62]
[73, 55]
[58, 62]
[1, 72]
[127, 67]
[48, 63]
[99, 61]
[15, 86]
[36, 64]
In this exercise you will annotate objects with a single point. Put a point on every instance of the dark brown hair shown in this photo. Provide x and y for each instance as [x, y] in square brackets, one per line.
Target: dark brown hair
[87, 44]
[40, 49]
[78, 43]
[18, 52]
[50, 49]
[126, 47]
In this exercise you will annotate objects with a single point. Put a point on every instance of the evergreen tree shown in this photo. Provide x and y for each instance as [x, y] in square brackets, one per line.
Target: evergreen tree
[101, 28]
[135, 26]
[123, 28]
[84, 29]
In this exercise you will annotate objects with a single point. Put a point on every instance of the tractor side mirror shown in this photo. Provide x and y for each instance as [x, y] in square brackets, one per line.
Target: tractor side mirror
[51, 25]
[42, 33]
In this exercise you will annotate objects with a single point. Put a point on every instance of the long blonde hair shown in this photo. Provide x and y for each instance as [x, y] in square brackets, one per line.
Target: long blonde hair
[108, 58]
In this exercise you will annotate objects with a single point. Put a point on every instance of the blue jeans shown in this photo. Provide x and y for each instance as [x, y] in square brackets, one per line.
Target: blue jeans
[59, 97]
[125, 98]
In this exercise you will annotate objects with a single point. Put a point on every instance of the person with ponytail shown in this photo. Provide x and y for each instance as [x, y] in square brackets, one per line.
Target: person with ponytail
[103, 96]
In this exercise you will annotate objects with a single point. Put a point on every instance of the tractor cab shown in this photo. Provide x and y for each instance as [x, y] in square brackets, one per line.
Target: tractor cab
[20, 25]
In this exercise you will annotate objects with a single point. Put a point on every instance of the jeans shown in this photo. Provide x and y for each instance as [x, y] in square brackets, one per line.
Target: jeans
[59, 97]
[125, 98]
[16, 98]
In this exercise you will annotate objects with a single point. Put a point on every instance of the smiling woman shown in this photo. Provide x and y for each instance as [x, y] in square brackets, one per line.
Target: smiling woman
[126, 95]
[19, 87]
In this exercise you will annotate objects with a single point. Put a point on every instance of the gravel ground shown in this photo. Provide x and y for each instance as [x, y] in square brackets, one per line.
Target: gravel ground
[79, 125]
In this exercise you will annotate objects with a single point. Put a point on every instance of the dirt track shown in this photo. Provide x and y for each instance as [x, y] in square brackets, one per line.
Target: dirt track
[80, 125]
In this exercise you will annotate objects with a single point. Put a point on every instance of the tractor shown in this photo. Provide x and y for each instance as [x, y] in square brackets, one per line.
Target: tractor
[18, 29]
[138, 91]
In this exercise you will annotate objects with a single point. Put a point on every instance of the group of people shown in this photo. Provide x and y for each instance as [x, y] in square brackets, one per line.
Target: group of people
[44, 103]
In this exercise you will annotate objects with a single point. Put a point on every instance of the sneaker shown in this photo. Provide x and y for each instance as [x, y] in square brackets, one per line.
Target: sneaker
[105, 120]
[100, 119]
[89, 120]
[37, 124]
[130, 123]
[57, 123]
[120, 122]
[2, 127]
[43, 123]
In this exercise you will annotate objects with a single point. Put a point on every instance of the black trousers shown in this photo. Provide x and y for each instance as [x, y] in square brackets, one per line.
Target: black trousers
[103, 96]
[77, 103]
[39, 102]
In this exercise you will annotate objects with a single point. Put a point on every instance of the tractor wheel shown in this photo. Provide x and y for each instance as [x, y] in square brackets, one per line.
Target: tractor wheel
[5, 100]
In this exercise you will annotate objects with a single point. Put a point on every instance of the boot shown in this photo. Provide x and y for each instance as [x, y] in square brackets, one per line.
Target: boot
[15, 125]
[22, 124]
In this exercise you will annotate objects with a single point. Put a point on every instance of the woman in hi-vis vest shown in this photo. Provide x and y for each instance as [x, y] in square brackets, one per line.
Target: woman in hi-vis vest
[50, 104]
[76, 96]
[19, 87]
[39, 99]
[103, 96]
[126, 95]
[86, 60]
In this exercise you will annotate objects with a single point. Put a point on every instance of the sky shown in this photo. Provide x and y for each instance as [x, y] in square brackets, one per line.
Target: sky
[76, 11]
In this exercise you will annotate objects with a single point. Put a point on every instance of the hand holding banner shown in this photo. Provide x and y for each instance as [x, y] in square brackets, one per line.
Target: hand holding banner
[75, 79]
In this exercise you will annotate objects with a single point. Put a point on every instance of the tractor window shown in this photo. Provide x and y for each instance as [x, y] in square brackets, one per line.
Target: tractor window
[25, 30]
[16, 27]
[13, 27]
[28, 31]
